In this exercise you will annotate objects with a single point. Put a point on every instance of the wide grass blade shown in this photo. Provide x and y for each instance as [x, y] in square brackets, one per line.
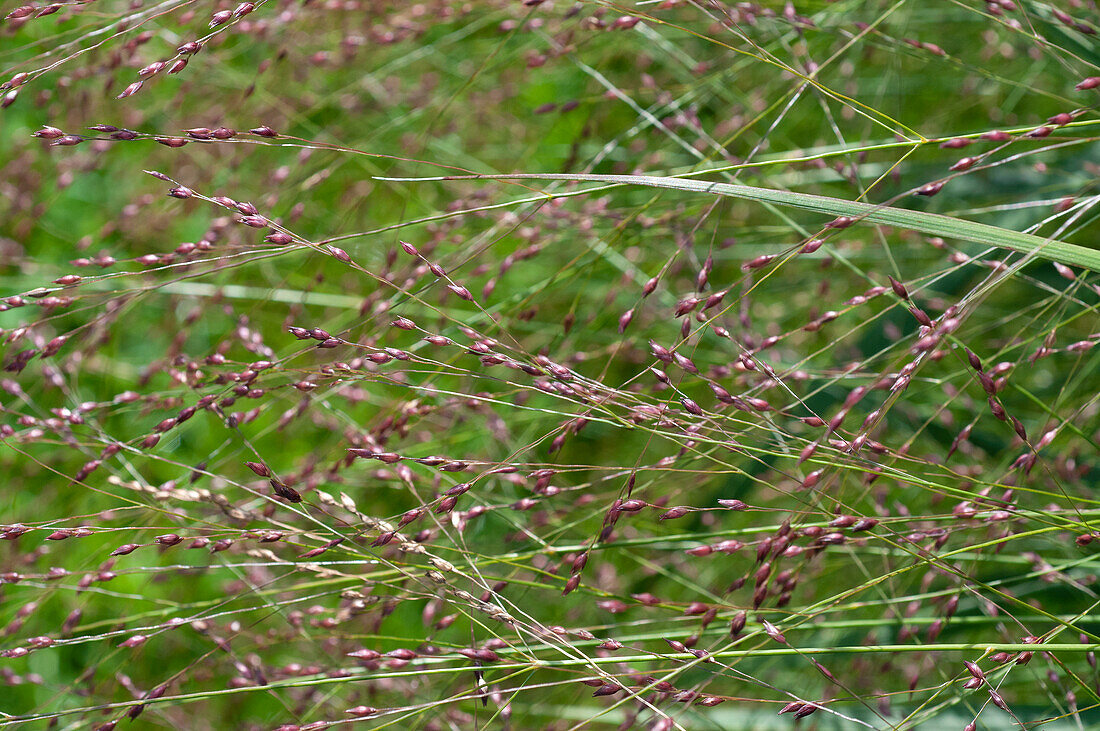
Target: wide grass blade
[929, 223]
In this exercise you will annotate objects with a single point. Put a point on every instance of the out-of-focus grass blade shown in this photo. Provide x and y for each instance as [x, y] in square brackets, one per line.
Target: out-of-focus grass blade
[929, 223]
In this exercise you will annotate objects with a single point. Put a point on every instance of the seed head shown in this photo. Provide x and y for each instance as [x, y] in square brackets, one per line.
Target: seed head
[358, 711]
[49, 133]
[660, 352]
[133, 641]
[23, 11]
[624, 320]
[130, 90]
[758, 262]
[461, 291]
[773, 632]
[955, 143]
[899, 288]
[279, 238]
[259, 468]
[685, 362]
[287, 493]
[930, 189]
[964, 164]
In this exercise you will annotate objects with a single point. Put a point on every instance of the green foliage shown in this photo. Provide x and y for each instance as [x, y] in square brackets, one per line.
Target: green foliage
[683, 366]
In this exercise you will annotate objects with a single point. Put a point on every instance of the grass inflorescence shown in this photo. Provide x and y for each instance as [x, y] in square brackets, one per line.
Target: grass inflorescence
[675, 365]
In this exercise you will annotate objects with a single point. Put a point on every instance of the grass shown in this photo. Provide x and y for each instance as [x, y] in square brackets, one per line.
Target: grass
[668, 365]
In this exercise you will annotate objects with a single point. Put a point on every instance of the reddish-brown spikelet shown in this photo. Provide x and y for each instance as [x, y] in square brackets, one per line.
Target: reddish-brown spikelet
[673, 513]
[23, 11]
[758, 262]
[974, 360]
[339, 254]
[133, 641]
[287, 493]
[48, 133]
[691, 407]
[955, 143]
[930, 189]
[964, 164]
[721, 394]
[791, 707]
[383, 539]
[899, 288]
[361, 711]
[571, 584]
[461, 291]
[1018, 427]
[259, 468]
[624, 320]
[660, 352]
[130, 90]
[773, 632]
[812, 479]
[1064, 271]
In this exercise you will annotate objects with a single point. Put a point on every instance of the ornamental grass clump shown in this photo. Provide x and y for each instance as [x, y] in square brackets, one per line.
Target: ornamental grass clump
[549, 365]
